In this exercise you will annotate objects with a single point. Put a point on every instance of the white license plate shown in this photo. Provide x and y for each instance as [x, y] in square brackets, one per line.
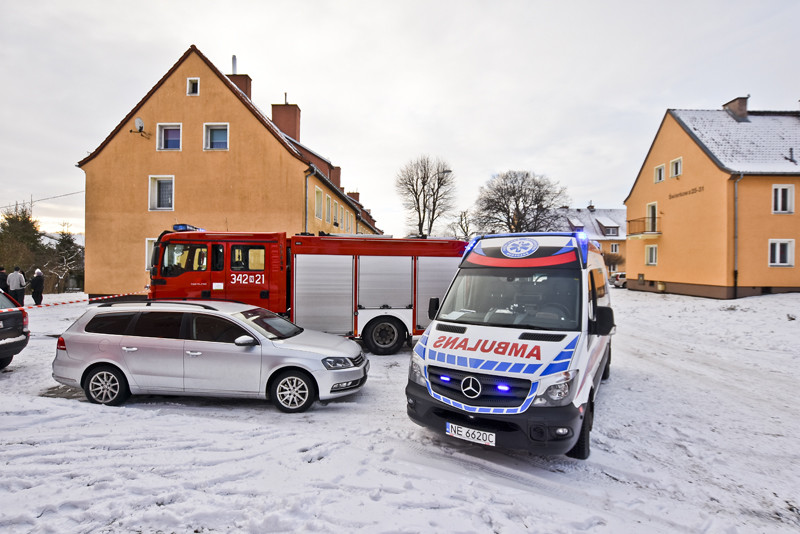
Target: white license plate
[470, 434]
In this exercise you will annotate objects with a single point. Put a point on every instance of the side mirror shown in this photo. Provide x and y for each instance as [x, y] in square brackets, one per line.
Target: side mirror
[245, 341]
[604, 323]
[433, 308]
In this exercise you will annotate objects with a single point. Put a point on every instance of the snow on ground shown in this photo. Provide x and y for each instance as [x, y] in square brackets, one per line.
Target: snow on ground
[696, 431]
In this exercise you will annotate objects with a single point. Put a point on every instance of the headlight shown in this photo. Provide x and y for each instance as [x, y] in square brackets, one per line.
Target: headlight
[559, 394]
[337, 362]
[415, 373]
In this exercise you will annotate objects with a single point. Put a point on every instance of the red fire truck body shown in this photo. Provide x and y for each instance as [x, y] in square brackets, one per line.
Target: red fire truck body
[375, 288]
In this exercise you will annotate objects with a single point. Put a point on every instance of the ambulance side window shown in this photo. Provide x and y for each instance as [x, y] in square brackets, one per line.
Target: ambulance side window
[217, 257]
[591, 297]
[247, 257]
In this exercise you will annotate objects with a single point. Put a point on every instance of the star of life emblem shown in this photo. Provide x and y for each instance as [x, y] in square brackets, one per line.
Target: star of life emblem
[519, 248]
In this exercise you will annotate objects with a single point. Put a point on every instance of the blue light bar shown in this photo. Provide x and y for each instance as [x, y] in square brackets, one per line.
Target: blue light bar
[503, 387]
[186, 228]
[445, 378]
[583, 243]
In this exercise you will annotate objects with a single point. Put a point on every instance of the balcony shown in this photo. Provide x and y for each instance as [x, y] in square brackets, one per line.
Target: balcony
[644, 228]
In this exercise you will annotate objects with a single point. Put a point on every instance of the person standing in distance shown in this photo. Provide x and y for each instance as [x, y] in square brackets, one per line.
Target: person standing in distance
[16, 286]
[37, 286]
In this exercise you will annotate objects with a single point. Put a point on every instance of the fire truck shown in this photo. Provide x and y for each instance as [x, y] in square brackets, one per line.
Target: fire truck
[373, 288]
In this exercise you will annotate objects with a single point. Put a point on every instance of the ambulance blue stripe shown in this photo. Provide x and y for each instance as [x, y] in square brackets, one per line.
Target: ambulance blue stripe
[475, 363]
[502, 367]
[462, 361]
[482, 409]
[554, 368]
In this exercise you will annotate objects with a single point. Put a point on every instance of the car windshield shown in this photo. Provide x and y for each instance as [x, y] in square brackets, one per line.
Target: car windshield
[269, 324]
[543, 299]
[6, 302]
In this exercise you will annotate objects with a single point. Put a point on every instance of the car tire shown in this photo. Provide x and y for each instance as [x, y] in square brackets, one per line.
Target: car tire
[5, 362]
[384, 335]
[293, 391]
[106, 385]
[582, 448]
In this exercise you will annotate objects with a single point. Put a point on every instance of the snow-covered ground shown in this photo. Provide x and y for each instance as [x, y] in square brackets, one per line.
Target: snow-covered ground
[697, 430]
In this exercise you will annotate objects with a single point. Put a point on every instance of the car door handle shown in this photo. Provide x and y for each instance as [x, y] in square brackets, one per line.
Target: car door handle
[130, 349]
[193, 354]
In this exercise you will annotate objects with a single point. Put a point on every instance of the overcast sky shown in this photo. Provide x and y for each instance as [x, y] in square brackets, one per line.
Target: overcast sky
[574, 90]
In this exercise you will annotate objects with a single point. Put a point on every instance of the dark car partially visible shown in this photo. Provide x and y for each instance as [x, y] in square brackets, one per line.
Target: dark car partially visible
[14, 333]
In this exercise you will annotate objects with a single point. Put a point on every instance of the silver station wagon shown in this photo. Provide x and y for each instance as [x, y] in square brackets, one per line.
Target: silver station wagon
[204, 348]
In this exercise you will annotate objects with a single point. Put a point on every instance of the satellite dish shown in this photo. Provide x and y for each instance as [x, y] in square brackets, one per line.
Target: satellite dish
[139, 124]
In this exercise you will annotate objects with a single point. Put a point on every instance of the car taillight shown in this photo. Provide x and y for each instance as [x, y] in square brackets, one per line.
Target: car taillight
[61, 345]
[24, 318]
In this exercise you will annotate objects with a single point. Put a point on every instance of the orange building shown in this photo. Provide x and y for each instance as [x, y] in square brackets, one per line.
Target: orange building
[712, 211]
[197, 150]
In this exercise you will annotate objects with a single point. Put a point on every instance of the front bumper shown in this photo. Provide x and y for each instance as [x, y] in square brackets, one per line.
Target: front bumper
[335, 384]
[533, 430]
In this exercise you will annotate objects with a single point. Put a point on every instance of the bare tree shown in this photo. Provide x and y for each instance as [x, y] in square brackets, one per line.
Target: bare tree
[461, 226]
[519, 201]
[427, 189]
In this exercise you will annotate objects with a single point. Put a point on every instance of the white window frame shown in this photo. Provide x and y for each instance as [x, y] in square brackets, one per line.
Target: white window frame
[327, 208]
[774, 250]
[651, 217]
[335, 213]
[777, 208]
[676, 165]
[658, 174]
[160, 127]
[149, 245]
[614, 248]
[152, 201]
[318, 207]
[189, 82]
[207, 127]
[651, 255]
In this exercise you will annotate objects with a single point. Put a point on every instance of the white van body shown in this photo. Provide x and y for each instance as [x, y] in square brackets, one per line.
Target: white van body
[518, 347]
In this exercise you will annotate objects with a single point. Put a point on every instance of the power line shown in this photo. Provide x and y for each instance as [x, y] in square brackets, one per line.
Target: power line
[42, 199]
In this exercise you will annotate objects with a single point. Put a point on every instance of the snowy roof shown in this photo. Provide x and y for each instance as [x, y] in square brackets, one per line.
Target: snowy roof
[765, 142]
[594, 220]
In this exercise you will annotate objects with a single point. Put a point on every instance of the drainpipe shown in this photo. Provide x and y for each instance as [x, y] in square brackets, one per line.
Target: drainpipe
[311, 170]
[736, 236]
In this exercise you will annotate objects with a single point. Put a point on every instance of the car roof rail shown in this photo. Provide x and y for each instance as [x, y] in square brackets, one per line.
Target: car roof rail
[150, 302]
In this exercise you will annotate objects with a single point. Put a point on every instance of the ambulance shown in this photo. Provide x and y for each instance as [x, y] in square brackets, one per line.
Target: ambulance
[516, 350]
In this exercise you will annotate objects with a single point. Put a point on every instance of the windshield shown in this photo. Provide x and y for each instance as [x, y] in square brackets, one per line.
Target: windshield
[269, 324]
[544, 299]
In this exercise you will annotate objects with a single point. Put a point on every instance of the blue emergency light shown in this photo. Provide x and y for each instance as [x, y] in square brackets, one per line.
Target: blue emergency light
[186, 228]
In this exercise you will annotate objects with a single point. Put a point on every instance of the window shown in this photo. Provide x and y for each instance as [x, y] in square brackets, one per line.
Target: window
[675, 167]
[162, 193]
[215, 137]
[169, 137]
[614, 249]
[159, 324]
[318, 203]
[651, 255]
[781, 252]
[651, 223]
[613, 230]
[149, 245]
[335, 213]
[184, 257]
[192, 86]
[110, 323]
[214, 329]
[247, 258]
[659, 174]
[327, 208]
[782, 199]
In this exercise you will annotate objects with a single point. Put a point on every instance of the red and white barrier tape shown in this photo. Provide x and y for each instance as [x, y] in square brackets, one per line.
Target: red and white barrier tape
[72, 301]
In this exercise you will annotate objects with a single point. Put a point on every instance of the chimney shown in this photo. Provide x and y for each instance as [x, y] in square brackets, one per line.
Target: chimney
[287, 118]
[590, 207]
[242, 81]
[737, 108]
[336, 177]
[355, 196]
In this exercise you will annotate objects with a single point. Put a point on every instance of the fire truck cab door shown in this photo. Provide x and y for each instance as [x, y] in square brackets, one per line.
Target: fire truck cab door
[247, 271]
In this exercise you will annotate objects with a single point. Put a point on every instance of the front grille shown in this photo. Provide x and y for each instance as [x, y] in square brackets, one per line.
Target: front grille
[490, 396]
[532, 336]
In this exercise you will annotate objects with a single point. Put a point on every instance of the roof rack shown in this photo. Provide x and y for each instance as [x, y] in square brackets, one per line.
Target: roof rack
[151, 302]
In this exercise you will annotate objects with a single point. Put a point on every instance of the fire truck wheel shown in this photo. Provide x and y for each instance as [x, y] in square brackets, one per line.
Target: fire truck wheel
[384, 335]
[293, 391]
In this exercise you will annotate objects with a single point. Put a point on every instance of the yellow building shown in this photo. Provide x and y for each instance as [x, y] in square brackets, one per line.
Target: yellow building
[197, 150]
[712, 211]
